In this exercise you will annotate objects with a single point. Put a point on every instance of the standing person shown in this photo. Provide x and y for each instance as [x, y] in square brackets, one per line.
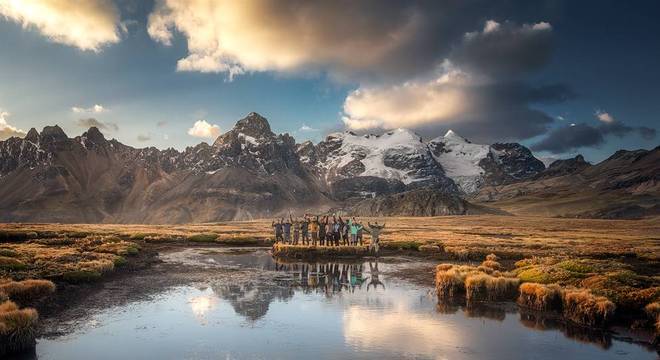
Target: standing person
[322, 226]
[296, 230]
[375, 231]
[304, 229]
[344, 231]
[359, 234]
[278, 230]
[314, 228]
[355, 227]
[287, 231]
[336, 230]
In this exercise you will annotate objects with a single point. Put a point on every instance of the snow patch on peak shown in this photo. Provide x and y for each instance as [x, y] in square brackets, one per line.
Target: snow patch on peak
[460, 160]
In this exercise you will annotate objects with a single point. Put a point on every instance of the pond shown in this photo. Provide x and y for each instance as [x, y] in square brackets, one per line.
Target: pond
[245, 305]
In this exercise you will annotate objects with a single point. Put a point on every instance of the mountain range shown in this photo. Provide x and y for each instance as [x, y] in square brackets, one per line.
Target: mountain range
[251, 172]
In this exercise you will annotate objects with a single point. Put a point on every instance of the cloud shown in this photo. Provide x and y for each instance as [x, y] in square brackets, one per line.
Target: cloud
[6, 130]
[96, 109]
[203, 129]
[85, 24]
[418, 64]
[89, 122]
[505, 49]
[604, 117]
[143, 138]
[307, 128]
[568, 138]
[342, 38]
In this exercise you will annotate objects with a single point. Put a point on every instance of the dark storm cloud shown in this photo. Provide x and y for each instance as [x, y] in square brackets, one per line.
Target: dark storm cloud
[505, 50]
[568, 138]
[89, 122]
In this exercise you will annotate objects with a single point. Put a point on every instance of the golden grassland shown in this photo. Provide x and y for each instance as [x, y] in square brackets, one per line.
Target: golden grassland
[588, 270]
[466, 237]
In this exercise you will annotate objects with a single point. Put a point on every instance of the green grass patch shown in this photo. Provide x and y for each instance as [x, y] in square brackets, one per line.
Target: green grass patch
[9, 263]
[203, 238]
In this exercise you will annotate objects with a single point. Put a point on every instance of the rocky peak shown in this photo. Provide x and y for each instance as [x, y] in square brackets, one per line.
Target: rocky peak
[53, 134]
[565, 167]
[32, 136]
[254, 125]
[93, 138]
[452, 135]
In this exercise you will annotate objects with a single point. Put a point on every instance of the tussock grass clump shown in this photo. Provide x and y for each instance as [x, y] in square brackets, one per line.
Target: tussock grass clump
[27, 290]
[308, 251]
[484, 287]
[540, 297]
[653, 311]
[450, 279]
[16, 236]
[431, 248]
[17, 328]
[584, 308]
[100, 266]
[81, 276]
[203, 238]
[492, 257]
[8, 253]
[10, 263]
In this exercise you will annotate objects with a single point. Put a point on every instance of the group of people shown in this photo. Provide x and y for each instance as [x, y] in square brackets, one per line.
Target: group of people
[325, 231]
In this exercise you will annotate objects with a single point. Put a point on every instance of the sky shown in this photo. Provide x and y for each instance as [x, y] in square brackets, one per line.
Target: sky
[561, 77]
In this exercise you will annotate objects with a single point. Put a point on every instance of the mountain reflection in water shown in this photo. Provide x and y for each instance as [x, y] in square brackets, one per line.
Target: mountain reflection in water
[258, 308]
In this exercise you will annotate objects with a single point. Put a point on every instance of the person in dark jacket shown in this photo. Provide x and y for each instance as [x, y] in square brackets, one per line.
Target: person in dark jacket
[304, 230]
[277, 225]
[322, 226]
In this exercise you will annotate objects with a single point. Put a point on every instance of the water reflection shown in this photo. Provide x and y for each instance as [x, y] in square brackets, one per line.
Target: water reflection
[268, 309]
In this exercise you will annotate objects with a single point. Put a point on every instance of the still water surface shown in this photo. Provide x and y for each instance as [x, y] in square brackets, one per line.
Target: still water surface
[316, 311]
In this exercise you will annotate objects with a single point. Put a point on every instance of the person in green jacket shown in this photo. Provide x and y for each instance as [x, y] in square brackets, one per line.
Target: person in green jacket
[355, 228]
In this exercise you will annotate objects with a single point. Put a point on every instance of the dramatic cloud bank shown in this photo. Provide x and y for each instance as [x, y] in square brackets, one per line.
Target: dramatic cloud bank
[475, 90]
[6, 130]
[339, 37]
[85, 24]
[203, 129]
[575, 136]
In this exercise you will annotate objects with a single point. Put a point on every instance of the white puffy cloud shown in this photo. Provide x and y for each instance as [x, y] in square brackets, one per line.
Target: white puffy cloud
[6, 130]
[410, 104]
[85, 24]
[605, 117]
[307, 128]
[90, 110]
[203, 129]
[234, 37]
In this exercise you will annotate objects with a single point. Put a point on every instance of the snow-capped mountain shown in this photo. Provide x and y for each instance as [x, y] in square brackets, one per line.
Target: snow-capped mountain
[448, 163]
[460, 160]
[251, 172]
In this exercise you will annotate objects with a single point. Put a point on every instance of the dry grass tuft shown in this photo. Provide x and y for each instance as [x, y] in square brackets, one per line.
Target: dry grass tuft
[484, 287]
[491, 257]
[540, 297]
[585, 308]
[450, 279]
[653, 311]
[491, 264]
[10, 263]
[27, 290]
[17, 328]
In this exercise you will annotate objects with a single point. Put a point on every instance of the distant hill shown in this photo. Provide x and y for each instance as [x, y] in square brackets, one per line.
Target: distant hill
[250, 172]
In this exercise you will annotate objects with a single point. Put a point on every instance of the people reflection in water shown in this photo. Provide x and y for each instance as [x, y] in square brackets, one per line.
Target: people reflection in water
[375, 276]
[331, 278]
